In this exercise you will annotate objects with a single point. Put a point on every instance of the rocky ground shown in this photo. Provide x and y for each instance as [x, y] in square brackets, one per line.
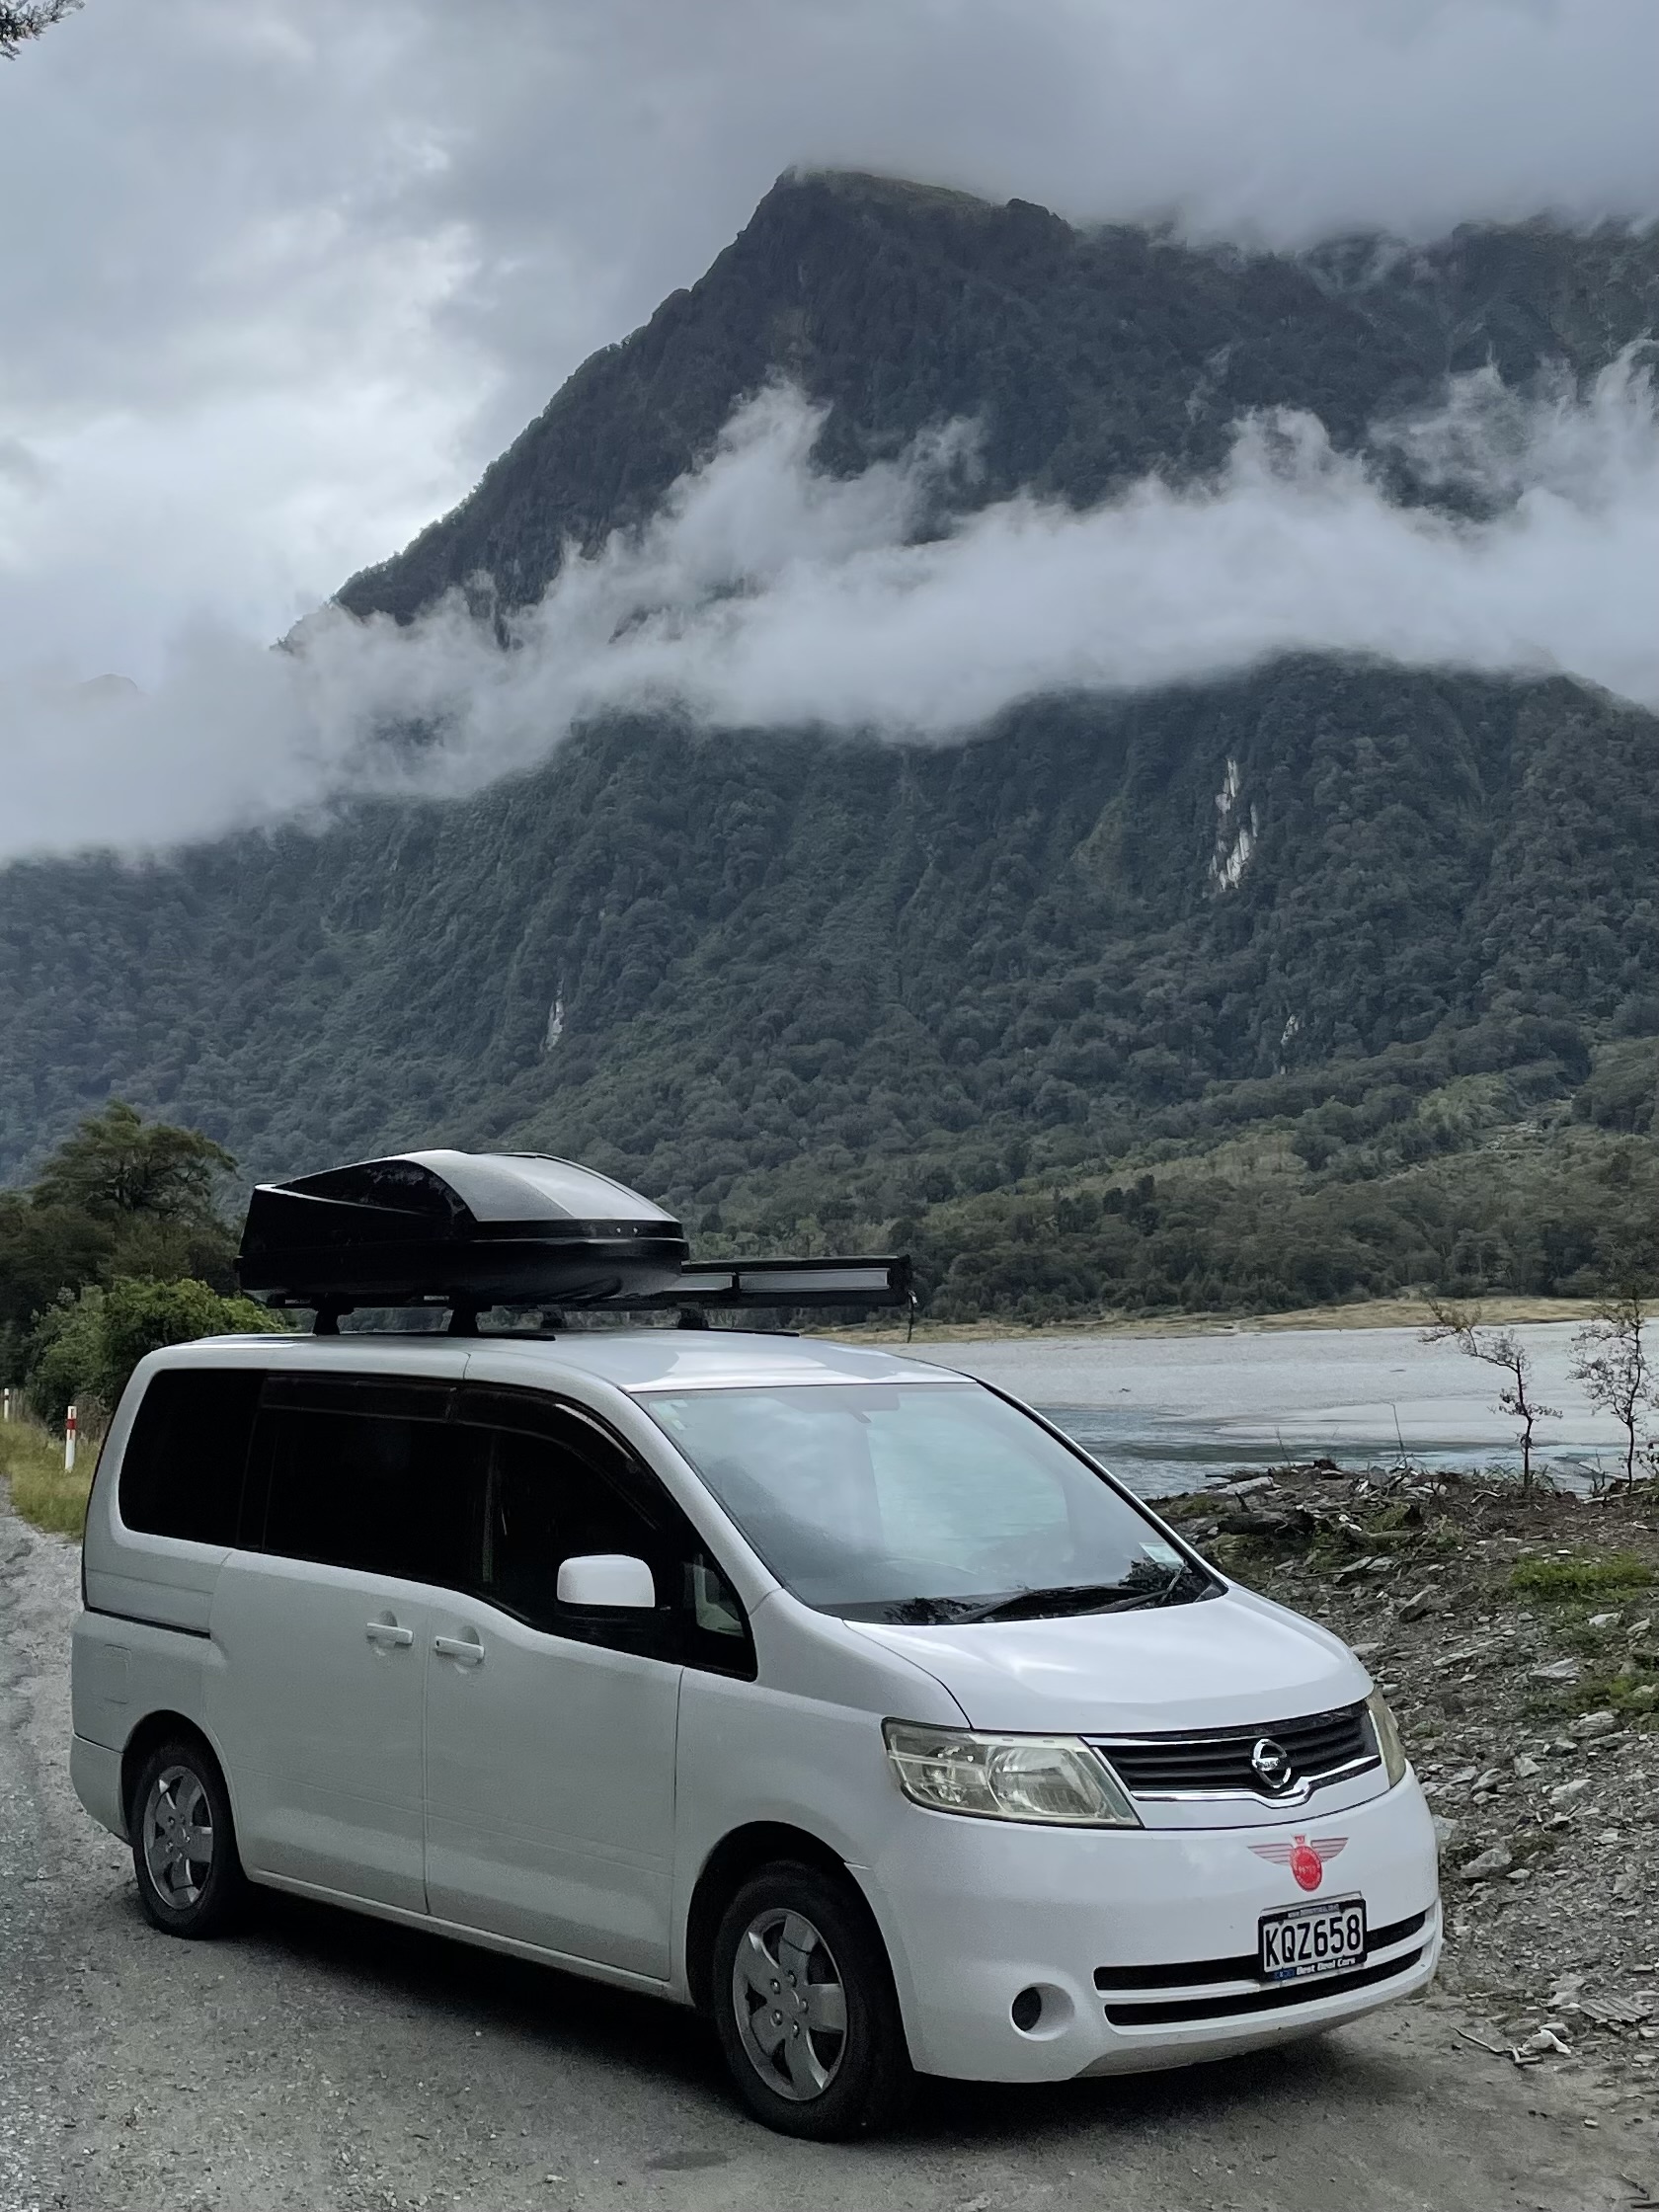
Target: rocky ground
[1516, 1635]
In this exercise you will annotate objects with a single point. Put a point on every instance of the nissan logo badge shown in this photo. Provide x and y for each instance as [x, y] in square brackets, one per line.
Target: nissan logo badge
[1271, 1763]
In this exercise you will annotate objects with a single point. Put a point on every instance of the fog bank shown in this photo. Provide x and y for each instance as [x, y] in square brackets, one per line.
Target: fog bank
[767, 594]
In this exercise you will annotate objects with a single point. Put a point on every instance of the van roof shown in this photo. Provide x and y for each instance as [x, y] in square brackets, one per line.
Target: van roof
[635, 1360]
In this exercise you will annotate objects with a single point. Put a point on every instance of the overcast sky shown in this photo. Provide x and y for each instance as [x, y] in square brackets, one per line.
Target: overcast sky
[280, 275]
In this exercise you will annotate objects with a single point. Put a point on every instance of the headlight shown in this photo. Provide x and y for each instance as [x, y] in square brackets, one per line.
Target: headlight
[1057, 1779]
[1386, 1728]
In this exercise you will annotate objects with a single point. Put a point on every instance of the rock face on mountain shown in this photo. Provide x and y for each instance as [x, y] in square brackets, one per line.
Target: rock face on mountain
[867, 976]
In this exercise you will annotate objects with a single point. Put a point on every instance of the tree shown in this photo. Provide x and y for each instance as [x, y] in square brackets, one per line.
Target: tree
[1499, 1348]
[121, 1198]
[43, 1251]
[86, 1348]
[27, 19]
[117, 1165]
[1611, 1361]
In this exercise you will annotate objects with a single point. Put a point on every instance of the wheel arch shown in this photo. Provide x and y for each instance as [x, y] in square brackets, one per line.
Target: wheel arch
[160, 1727]
[725, 1870]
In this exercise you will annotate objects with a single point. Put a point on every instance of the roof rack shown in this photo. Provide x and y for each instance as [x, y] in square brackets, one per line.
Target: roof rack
[471, 1230]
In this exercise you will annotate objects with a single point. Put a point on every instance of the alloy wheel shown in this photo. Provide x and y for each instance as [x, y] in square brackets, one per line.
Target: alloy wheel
[790, 2004]
[178, 1836]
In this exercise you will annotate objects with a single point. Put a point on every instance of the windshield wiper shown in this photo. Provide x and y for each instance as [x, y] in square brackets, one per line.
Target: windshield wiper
[1084, 1597]
[1064, 1597]
[1177, 1575]
[1055, 1602]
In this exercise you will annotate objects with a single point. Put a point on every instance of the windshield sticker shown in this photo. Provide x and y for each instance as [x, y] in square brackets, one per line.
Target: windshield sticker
[1164, 1555]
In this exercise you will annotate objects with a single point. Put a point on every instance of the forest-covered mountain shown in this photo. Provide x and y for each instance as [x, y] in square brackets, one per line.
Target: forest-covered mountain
[972, 994]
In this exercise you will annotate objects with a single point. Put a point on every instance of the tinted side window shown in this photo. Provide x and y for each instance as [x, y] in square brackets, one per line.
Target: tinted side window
[546, 1505]
[558, 1487]
[350, 1478]
[180, 1474]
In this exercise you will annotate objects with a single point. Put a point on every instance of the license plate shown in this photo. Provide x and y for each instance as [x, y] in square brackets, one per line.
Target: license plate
[1328, 1938]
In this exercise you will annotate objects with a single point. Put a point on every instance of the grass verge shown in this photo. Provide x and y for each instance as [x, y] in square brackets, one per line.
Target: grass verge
[31, 1460]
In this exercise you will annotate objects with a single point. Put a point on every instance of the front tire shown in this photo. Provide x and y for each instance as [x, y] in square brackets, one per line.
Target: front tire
[184, 1843]
[804, 2008]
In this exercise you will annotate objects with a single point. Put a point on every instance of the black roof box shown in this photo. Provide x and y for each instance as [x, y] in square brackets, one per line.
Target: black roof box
[469, 1229]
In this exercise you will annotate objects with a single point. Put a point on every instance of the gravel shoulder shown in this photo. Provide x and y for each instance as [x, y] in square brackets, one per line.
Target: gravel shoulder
[324, 2060]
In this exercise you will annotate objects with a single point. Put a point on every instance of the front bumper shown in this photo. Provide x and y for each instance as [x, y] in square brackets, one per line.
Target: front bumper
[1100, 1922]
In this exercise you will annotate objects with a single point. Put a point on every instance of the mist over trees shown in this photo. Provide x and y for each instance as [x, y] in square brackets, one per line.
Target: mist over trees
[1028, 1003]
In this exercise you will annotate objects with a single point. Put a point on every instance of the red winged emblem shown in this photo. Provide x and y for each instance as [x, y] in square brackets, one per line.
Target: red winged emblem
[1305, 1857]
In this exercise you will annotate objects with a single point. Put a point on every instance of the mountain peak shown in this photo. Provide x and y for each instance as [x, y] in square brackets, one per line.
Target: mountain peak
[902, 195]
[1088, 357]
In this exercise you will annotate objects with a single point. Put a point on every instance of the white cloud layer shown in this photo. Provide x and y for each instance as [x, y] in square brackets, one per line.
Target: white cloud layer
[282, 275]
[767, 594]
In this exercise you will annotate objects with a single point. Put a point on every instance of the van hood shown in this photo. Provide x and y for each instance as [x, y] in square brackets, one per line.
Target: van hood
[1235, 1660]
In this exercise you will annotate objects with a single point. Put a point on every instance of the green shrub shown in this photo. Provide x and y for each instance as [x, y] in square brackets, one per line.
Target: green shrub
[65, 1355]
[84, 1348]
[1581, 1577]
[1628, 1693]
[140, 1318]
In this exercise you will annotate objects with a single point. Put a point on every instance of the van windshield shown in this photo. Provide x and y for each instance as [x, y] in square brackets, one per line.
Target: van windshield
[921, 1503]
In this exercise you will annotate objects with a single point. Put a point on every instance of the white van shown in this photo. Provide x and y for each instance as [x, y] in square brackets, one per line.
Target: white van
[823, 1689]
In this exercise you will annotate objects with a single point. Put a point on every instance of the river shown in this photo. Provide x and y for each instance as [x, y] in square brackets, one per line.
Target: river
[1167, 1412]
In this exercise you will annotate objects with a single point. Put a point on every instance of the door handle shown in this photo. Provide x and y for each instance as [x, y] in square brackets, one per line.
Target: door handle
[389, 1631]
[452, 1647]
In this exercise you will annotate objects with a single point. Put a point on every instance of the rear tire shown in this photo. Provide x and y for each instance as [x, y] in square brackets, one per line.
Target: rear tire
[804, 2008]
[184, 1843]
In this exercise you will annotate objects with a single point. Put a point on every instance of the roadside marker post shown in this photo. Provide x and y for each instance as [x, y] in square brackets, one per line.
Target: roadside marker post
[69, 1428]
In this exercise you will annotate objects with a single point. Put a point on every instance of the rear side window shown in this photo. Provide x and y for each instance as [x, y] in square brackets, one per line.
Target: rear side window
[180, 1474]
[370, 1475]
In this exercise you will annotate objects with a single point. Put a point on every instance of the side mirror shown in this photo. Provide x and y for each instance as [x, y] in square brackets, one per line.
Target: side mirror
[607, 1578]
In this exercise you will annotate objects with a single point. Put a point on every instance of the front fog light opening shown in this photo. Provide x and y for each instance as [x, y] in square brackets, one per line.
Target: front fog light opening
[1042, 2010]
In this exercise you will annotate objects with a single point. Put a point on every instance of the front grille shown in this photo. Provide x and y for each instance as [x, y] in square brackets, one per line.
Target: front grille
[1193, 1973]
[1217, 1760]
[1170, 2012]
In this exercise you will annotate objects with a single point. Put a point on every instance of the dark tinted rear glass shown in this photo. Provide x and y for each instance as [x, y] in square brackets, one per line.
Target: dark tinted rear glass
[180, 1474]
[369, 1476]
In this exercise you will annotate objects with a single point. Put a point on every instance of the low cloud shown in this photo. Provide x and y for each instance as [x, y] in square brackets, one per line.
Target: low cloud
[767, 594]
[282, 278]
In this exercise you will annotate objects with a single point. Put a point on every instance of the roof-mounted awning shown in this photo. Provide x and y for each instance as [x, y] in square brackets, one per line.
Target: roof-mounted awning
[878, 1281]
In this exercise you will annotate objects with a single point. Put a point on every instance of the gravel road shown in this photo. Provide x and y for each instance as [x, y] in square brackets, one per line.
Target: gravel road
[324, 2060]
